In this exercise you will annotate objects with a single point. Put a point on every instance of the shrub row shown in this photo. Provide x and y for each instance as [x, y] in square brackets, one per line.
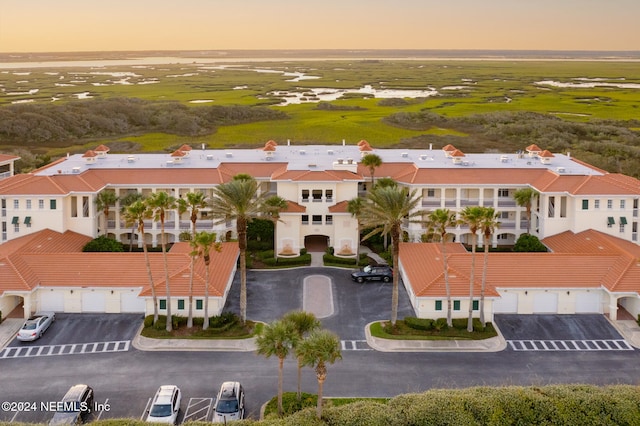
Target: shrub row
[302, 260]
[225, 320]
[427, 324]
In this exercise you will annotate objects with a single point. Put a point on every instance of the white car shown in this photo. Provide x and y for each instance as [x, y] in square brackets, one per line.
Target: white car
[34, 327]
[229, 403]
[165, 405]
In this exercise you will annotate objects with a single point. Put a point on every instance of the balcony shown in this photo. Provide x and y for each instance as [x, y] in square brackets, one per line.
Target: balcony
[430, 202]
[506, 202]
[469, 202]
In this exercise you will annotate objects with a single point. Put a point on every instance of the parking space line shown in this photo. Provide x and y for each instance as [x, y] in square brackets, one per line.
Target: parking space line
[198, 409]
[354, 345]
[69, 349]
[106, 404]
[146, 409]
[570, 345]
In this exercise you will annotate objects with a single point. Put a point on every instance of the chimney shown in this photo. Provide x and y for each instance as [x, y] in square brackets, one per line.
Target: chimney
[343, 143]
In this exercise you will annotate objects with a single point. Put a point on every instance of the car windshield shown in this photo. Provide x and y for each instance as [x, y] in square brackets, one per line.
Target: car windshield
[160, 410]
[29, 325]
[227, 406]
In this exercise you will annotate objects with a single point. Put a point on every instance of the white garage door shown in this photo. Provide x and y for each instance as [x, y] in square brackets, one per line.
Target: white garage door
[588, 303]
[131, 303]
[545, 303]
[51, 301]
[507, 304]
[93, 301]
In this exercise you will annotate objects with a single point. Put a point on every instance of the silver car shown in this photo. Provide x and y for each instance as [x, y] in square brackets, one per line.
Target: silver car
[165, 405]
[229, 403]
[34, 327]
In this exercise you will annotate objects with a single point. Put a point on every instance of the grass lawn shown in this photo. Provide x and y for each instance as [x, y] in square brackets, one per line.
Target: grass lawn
[233, 330]
[404, 332]
[290, 403]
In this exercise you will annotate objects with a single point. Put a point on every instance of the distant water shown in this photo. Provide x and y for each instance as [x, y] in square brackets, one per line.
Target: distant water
[143, 58]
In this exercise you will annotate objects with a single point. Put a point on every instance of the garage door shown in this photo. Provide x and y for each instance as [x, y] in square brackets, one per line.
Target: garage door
[507, 304]
[588, 303]
[545, 303]
[93, 301]
[51, 301]
[131, 303]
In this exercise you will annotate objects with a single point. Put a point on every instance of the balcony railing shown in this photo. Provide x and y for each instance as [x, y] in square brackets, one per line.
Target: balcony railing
[469, 202]
[430, 203]
[506, 202]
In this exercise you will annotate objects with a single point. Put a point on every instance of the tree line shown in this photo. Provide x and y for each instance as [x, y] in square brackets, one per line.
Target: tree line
[608, 144]
[51, 125]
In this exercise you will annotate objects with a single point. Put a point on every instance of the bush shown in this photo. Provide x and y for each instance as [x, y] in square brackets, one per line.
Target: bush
[460, 323]
[303, 251]
[259, 245]
[267, 254]
[289, 261]
[529, 243]
[440, 324]
[368, 413]
[148, 321]
[329, 250]
[103, 244]
[329, 258]
[424, 324]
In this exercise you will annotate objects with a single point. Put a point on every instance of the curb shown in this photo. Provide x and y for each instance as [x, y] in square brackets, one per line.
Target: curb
[210, 345]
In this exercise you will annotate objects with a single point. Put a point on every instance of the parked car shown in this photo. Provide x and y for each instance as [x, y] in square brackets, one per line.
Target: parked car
[229, 403]
[34, 327]
[373, 273]
[165, 405]
[75, 407]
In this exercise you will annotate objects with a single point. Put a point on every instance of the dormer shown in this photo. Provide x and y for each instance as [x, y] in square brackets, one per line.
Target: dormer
[533, 150]
[186, 149]
[448, 150]
[101, 151]
[269, 150]
[178, 156]
[457, 156]
[546, 157]
[365, 149]
[90, 156]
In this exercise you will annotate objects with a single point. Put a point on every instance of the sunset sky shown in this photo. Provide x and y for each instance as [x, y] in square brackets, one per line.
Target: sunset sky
[92, 25]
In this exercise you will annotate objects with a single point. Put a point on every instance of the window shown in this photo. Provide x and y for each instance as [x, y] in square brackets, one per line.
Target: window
[502, 237]
[563, 206]
[476, 305]
[163, 303]
[610, 222]
[504, 215]
[585, 204]
[596, 204]
[28, 204]
[199, 304]
[316, 219]
[305, 195]
[609, 204]
[85, 206]
[438, 305]
[16, 204]
[431, 192]
[456, 305]
[503, 192]
[27, 221]
[52, 204]
[621, 227]
[317, 195]
[328, 219]
[305, 219]
[180, 303]
[622, 205]
[329, 195]
[16, 227]
[41, 204]
[74, 206]
[552, 207]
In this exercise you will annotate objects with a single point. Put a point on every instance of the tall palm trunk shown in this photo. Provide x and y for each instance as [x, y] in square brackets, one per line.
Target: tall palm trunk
[242, 244]
[205, 324]
[166, 274]
[474, 238]
[395, 238]
[321, 374]
[484, 278]
[280, 375]
[153, 288]
[190, 314]
[446, 279]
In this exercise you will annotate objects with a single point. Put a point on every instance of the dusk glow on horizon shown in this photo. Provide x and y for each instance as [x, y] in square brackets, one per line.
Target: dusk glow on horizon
[118, 25]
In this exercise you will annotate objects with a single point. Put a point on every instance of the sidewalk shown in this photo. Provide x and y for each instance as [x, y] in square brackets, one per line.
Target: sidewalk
[8, 330]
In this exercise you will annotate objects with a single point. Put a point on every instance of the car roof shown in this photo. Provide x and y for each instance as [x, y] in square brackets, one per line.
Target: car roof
[74, 392]
[165, 393]
[229, 390]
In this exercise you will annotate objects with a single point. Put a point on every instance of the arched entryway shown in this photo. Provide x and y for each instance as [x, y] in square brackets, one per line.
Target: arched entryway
[316, 243]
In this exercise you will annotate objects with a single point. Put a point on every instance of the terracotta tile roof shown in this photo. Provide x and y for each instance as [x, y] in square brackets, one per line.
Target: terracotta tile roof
[449, 148]
[457, 153]
[258, 170]
[294, 208]
[178, 153]
[396, 171]
[50, 259]
[533, 148]
[472, 175]
[340, 207]
[102, 148]
[589, 259]
[185, 148]
[7, 157]
[546, 154]
[317, 176]
[89, 154]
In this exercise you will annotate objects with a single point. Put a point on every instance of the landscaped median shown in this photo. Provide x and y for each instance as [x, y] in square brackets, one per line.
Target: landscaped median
[381, 341]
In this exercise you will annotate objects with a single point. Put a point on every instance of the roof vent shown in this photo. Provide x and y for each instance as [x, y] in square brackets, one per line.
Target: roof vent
[269, 158]
[229, 154]
[404, 154]
[209, 157]
[169, 163]
[423, 157]
[312, 165]
[560, 169]
[349, 160]
[303, 152]
[330, 151]
[504, 158]
[340, 161]
[76, 169]
[131, 159]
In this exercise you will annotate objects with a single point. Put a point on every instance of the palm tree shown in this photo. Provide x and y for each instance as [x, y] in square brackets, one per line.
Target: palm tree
[237, 199]
[524, 198]
[441, 220]
[385, 211]
[104, 200]
[473, 217]
[372, 162]
[354, 206]
[303, 322]
[160, 203]
[202, 244]
[488, 225]
[135, 214]
[125, 202]
[320, 348]
[273, 206]
[193, 203]
[278, 338]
